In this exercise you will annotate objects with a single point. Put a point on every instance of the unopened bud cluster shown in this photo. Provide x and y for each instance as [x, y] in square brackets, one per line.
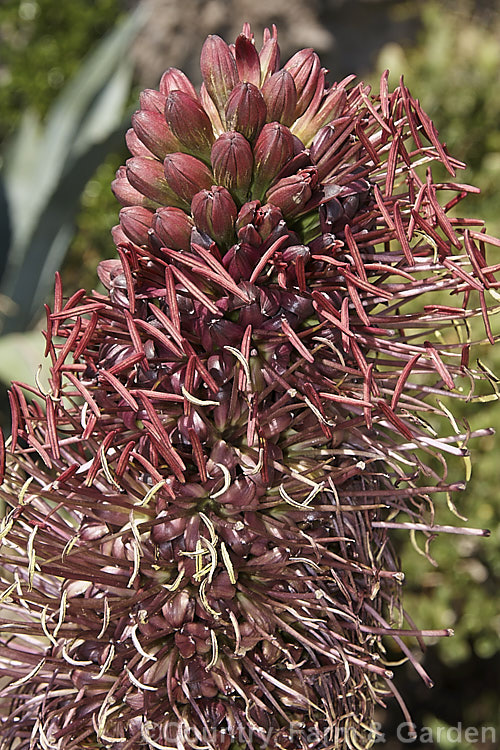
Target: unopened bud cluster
[249, 136]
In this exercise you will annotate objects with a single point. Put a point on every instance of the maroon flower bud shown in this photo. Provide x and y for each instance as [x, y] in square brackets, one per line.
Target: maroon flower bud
[186, 176]
[219, 71]
[194, 637]
[152, 101]
[190, 422]
[214, 212]
[221, 332]
[276, 425]
[323, 108]
[291, 255]
[118, 235]
[108, 271]
[172, 227]
[146, 175]
[291, 194]
[232, 163]
[246, 214]
[222, 588]
[189, 122]
[240, 260]
[267, 218]
[322, 142]
[246, 110]
[126, 194]
[305, 67]
[269, 57]
[154, 133]
[186, 645]
[136, 146]
[293, 252]
[174, 79]
[249, 235]
[179, 609]
[280, 97]
[274, 147]
[136, 222]
[331, 212]
[247, 60]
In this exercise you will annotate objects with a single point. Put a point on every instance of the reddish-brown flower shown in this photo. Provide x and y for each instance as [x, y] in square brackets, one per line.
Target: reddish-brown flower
[196, 551]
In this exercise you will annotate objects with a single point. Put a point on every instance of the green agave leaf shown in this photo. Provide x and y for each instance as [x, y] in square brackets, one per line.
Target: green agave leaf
[46, 170]
[39, 158]
[20, 356]
[106, 113]
[22, 153]
[30, 286]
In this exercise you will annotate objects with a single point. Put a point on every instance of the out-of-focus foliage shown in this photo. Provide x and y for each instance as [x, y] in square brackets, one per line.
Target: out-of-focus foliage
[98, 213]
[47, 166]
[454, 70]
[42, 43]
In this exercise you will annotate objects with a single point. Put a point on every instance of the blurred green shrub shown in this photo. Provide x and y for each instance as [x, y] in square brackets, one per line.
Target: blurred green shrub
[42, 43]
[454, 70]
[47, 166]
[98, 213]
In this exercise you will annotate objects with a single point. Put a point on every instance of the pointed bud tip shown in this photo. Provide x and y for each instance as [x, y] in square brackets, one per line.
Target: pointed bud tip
[232, 163]
[214, 213]
[218, 69]
[189, 122]
[246, 110]
[186, 175]
[174, 79]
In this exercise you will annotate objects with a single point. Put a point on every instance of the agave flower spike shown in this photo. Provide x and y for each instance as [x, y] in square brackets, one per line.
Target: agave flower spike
[196, 550]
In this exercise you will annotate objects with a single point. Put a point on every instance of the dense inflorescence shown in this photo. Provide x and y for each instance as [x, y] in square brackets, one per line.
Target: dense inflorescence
[197, 552]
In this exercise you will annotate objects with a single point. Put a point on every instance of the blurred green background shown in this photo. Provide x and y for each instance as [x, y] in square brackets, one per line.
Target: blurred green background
[69, 76]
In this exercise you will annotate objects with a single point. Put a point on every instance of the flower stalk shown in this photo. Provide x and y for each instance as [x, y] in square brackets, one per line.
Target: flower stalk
[197, 550]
